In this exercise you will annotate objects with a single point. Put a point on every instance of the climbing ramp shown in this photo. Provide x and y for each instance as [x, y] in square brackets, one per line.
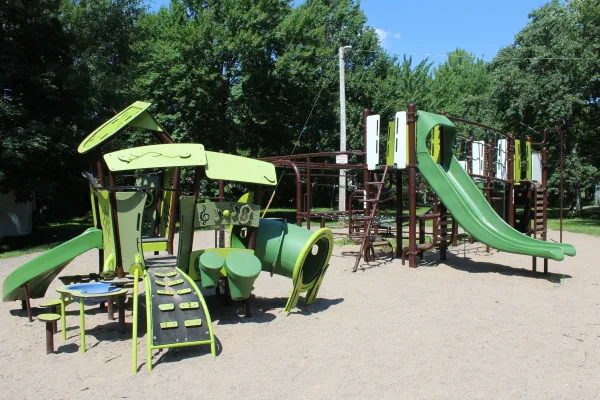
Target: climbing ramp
[177, 315]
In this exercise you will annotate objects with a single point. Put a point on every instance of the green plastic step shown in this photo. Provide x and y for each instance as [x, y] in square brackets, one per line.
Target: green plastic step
[166, 307]
[191, 305]
[175, 282]
[169, 324]
[171, 274]
[165, 292]
[192, 323]
[159, 283]
[184, 291]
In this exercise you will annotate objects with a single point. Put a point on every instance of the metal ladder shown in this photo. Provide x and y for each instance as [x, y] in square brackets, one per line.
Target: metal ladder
[364, 238]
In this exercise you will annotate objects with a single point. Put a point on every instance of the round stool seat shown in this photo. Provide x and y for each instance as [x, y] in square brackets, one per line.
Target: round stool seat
[48, 317]
[242, 264]
[242, 270]
[50, 303]
[211, 261]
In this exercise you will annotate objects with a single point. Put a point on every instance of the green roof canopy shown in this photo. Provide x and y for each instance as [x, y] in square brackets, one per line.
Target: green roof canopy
[157, 156]
[136, 116]
[217, 165]
[239, 169]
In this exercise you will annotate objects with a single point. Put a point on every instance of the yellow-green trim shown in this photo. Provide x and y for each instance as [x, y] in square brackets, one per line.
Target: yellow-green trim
[529, 160]
[149, 247]
[149, 333]
[517, 163]
[298, 287]
[389, 152]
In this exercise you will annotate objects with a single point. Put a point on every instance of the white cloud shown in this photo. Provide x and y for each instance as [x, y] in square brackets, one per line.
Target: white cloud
[385, 35]
[382, 34]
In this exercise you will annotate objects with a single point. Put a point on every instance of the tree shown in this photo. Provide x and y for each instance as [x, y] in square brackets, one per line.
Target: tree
[461, 87]
[38, 103]
[548, 77]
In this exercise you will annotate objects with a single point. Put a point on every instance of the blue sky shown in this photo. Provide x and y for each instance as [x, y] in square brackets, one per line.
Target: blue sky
[481, 27]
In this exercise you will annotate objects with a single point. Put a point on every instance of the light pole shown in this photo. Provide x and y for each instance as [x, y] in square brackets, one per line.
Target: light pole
[342, 183]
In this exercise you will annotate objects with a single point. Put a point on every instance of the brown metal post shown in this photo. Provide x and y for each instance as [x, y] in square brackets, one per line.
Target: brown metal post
[545, 186]
[412, 186]
[443, 231]
[27, 302]
[49, 337]
[511, 180]
[222, 198]
[308, 193]
[490, 170]
[173, 211]
[399, 210]
[110, 311]
[561, 193]
[422, 235]
[367, 188]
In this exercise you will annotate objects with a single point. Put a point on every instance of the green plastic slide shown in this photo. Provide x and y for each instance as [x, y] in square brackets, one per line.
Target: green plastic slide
[38, 273]
[465, 201]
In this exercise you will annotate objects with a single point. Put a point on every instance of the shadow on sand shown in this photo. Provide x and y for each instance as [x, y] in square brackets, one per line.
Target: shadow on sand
[466, 264]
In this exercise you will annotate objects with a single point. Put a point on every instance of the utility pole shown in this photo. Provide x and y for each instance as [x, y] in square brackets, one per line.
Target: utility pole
[342, 183]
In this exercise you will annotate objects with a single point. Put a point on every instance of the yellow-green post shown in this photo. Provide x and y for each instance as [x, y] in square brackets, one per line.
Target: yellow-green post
[148, 324]
[63, 319]
[136, 276]
[82, 323]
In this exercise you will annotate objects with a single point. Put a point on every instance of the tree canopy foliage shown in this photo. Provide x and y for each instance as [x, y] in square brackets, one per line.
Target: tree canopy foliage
[245, 75]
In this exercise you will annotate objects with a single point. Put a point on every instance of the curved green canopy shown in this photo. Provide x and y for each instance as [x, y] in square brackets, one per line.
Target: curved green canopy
[135, 116]
[218, 166]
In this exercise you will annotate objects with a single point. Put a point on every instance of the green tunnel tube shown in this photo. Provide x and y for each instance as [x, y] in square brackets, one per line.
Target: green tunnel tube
[291, 251]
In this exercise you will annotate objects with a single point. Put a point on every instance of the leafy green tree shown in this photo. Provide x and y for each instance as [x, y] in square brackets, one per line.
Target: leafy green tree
[461, 87]
[548, 78]
[38, 103]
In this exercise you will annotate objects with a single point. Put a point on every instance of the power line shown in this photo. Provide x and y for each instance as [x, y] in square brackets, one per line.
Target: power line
[483, 57]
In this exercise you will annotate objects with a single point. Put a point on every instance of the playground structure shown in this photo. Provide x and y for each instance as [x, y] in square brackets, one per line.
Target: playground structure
[134, 226]
[496, 205]
[135, 220]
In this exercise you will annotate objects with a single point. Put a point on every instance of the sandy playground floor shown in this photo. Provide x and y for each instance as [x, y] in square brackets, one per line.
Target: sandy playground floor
[475, 327]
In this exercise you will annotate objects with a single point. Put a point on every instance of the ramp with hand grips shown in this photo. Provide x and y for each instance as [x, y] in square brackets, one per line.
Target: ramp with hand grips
[177, 314]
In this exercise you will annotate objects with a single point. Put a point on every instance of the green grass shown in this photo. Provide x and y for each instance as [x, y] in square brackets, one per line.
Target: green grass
[588, 224]
[54, 233]
[44, 237]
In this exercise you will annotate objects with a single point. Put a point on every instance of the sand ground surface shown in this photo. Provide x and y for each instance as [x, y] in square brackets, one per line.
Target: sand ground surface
[477, 326]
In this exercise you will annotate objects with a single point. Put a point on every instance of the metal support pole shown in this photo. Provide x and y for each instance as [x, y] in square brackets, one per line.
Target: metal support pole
[511, 180]
[367, 189]
[27, 302]
[412, 186]
[173, 211]
[308, 193]
[545, 214]
[342, 181]
[399, 210]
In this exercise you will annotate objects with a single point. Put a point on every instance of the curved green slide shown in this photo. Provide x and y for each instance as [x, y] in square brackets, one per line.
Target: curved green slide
[38, 273]
[465, 201]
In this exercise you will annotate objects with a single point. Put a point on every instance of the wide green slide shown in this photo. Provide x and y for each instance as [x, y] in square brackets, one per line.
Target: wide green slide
[38, 273]
[465, 201]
